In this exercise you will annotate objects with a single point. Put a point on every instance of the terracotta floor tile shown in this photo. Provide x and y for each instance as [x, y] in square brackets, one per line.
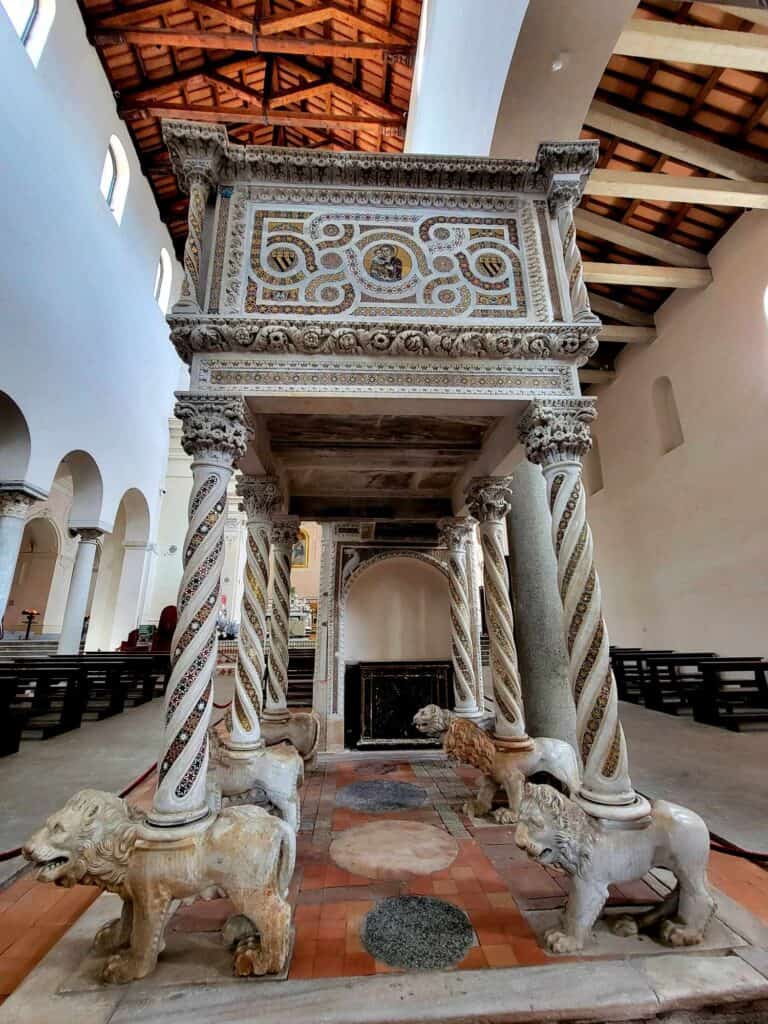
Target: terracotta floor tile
[12, 973]
[474, 960]
[444, 887]
[359, 963]
[500, 955]
[301, 968]
[332, 968]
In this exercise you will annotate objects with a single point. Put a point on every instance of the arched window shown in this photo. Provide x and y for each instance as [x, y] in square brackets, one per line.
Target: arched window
[667, 416]
[163, 280]
[114, 177]
[32, 20]
[593, 469]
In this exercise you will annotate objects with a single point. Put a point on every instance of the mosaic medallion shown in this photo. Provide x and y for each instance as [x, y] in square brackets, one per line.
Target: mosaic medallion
[387, 262]
[394, 849]
[417, 933]
[375, 795]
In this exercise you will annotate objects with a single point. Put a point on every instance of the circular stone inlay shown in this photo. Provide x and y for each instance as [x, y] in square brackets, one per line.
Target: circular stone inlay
[393, 849]
[380, 795]
[417, 932]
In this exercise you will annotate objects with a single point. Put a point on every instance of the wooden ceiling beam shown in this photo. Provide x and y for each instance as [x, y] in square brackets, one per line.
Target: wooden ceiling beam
[307, 16]
[332, 48]
[224, 13]
[243, 91]
[672, 188]
[619, 311]
[660, 137]
[693, 44]
[173, 37]
[139, 13]
[627, 335]
[646, 276]
[241, 115]
[128, 96]
[638, 241]
[753, 14]
[325, 83]
[300, 93]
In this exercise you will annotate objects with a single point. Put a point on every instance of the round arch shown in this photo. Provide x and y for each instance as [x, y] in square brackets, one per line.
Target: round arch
[15, 441]
[87, 488]
[41, 544]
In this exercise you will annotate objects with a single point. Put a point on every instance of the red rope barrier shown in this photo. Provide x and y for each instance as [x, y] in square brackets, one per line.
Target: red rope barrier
[220, 706]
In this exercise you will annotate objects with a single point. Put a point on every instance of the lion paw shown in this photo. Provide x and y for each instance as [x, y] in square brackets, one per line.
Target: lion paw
[109, 937]
[474, 809]
[674, 934]
[249, 960]
[505, 816]
[625, 926]
[120, 969]
[558, 942]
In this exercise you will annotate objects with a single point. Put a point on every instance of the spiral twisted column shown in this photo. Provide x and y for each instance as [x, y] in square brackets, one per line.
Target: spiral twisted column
[488, 500]
[199, 185]
[556, 436]
[215, 432]
[454, 534]
[564, 197]
[261, 497]
[285, 533]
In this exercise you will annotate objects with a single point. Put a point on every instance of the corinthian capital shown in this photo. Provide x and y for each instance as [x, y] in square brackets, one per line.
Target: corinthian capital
[17, 502]
[489, 498]
[213, 426]
[558, 431]
[285, 531]
[261, 496]
[196, 150]
[456, 531]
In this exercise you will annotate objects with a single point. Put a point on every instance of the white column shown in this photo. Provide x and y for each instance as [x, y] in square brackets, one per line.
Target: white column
[476, 619]
[321, 684]
[488, 500]
[556, 436]
[285, 533]
[215, 433]
[130, 591]
[79, 588]
[199, 188]
[454, 533]
[14, 507]
[261, 496]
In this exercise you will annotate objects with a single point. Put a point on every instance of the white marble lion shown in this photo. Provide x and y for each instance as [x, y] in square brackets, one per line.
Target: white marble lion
[555, 831]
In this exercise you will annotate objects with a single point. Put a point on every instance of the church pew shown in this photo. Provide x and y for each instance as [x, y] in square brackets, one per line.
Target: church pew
[672, 680]
[630, 671]
[49, 698]
[11, 717]
[733, 692]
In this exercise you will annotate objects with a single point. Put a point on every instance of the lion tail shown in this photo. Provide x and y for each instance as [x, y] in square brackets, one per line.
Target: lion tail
[467, 742]
[286, 856]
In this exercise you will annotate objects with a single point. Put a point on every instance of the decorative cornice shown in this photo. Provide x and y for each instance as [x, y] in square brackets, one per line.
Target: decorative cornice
[456, 531]
[16, 503]
[572, 342]
[557, 431]
[285, 531]
[261, 496]
[489, 498]
[213, 426]
[268, 165]
[87, 534]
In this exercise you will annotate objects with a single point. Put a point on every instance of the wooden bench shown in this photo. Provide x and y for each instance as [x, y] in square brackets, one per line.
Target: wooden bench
[48, 698]
[672, 680]
[630, 671]
[733, 692]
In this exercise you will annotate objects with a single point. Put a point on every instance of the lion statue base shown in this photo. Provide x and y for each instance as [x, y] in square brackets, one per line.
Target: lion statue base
[245, 854]
[237, 777]
[301, 728]
[555, 831]
[465, 741]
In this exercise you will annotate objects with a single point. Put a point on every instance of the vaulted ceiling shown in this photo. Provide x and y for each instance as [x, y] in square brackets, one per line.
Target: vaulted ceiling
[275, 72]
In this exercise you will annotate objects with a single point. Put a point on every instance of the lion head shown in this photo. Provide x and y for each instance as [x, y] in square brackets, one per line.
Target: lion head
[554, 830]
[89, 840]
[432, 720]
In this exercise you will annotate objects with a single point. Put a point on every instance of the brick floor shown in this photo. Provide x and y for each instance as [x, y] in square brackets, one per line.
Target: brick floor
[490, 879]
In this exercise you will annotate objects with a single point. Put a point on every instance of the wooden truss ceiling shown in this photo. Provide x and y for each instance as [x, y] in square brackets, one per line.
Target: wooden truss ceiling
[660, 110]
[276, 72]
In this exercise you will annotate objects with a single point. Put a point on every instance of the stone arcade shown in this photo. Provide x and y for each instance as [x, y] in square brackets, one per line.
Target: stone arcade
[373, 341]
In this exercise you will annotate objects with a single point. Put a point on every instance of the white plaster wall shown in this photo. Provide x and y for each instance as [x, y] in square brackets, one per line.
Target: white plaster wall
[306, 582]
[84, 346]
[171, 527]
[681, 538]
[398, 610]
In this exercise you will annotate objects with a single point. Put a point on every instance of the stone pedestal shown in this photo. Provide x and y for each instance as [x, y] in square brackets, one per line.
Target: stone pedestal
[215, 430]
[454, 534]
[14, 508]
[79, 588]
[543, 659]
[488, 501]
[285, 533]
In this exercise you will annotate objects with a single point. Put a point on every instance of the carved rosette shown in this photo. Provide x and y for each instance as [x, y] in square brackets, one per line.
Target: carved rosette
[556, 437]
[16, 503]
[564, 197]
[215, 433]
[454, 534]
[488, 500]
[261, 497]
[285, 533]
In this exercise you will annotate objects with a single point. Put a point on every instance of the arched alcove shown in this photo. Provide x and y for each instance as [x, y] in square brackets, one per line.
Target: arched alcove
[15, 444]
[397, 609]
[668, 424]
[87, 488]
[35, 566]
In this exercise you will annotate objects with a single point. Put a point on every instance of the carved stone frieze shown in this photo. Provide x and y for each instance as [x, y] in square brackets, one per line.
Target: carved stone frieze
[557, 431]
[576, 343]
[262, 496]
[16, 503]
[213, 425]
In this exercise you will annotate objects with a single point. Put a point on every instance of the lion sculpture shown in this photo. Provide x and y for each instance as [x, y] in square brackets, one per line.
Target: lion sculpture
[465, 741]
[302, 730]
[246, 855]
[278, 771]
[557, 832]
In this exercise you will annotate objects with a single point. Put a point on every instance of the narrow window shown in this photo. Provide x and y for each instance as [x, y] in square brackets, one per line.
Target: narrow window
[32, 20]
[163, 279]
[114, 178]
[667, 416]
[593, 469]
